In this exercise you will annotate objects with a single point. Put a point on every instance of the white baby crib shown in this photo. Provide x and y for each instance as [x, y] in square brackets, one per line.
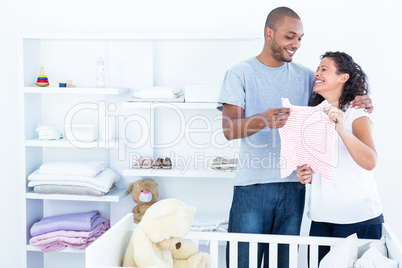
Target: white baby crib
[108, 250]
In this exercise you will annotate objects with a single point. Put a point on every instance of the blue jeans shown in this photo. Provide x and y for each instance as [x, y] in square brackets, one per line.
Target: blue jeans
[271, 208]
[368, 231]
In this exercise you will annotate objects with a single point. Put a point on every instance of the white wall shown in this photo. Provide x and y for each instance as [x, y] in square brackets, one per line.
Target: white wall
[366, 30]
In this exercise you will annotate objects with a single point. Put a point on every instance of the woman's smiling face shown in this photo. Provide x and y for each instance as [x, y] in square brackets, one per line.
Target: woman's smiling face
[328, 82]
[327, 78]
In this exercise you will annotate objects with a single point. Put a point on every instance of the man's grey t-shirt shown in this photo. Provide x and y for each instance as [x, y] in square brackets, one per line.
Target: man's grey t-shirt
[256, 87]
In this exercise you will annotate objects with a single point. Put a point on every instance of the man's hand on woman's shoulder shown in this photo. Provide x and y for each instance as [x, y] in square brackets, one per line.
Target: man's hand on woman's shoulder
[363, 102]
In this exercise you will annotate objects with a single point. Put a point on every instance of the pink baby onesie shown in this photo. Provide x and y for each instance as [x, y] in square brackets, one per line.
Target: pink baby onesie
[308, 137]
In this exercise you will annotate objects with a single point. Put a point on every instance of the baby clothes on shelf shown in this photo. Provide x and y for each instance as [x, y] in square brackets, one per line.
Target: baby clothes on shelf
[308, 137]
[75, 230]
[223, 164]
[157, 94]
[73, 178]
[209, 223]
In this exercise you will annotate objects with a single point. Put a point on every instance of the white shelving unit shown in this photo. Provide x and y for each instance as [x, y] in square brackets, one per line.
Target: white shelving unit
[75, 90]
[189, 133]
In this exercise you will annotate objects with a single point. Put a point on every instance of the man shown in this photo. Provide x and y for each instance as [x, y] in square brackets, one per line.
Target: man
[250, 99]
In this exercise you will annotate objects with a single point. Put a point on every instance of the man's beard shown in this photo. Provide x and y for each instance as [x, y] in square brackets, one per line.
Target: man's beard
[278, 52]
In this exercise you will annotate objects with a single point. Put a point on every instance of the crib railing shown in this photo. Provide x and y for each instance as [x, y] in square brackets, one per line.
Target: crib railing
[214, 239]
[108, 250]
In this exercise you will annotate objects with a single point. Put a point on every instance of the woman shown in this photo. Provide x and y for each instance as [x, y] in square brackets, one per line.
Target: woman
[347, 203]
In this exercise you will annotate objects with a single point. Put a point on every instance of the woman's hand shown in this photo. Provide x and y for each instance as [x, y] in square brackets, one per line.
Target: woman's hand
[337, 116]
[305, 174]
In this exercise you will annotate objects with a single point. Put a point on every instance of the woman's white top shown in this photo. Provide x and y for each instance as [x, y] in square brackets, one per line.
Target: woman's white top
[350, 196]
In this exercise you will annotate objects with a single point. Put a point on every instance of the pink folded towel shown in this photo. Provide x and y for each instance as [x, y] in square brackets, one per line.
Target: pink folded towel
[58, 240]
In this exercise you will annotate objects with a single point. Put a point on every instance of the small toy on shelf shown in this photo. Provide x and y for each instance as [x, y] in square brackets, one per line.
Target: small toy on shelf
[68, 83]
[42, 80]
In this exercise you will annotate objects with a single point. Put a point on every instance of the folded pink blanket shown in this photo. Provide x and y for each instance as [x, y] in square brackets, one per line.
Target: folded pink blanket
[84, 221]
[58, 240]
[60, 245]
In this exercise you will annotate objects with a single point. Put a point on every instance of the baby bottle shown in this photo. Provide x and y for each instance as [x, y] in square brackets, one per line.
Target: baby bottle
[100, 73]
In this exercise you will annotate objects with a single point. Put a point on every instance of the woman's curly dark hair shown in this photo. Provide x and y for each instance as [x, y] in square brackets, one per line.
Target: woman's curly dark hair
[355, 86]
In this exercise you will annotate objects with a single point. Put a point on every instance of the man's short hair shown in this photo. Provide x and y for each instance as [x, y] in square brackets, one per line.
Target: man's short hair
[277, 14]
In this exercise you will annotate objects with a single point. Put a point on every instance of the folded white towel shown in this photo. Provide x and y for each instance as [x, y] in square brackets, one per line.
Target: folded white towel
[48, 133]
[36, 184]
[209, 219]
[86, 169]
[70, 183]
[102, 182]
[155, 92]
[220, 227]
[217, 224]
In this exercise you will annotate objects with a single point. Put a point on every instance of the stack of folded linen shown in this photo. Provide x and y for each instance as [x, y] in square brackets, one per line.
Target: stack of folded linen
[59, 177]
[76, 230]
[48, 133]
[158, 94]
[223, 164]
[209, 223]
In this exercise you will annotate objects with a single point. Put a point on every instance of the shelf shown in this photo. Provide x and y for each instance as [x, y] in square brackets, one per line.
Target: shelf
[114, 196]
[63, 143]
[66, 250]
[143, 36]
[180, 105]
[141, 172]
[76, 90]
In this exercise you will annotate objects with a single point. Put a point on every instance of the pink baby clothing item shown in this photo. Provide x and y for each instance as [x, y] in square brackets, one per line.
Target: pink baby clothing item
[308, 137]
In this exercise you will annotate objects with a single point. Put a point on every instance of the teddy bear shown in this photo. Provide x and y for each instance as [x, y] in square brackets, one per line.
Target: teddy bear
[188, 256]
[145, 194]
[156, 240]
